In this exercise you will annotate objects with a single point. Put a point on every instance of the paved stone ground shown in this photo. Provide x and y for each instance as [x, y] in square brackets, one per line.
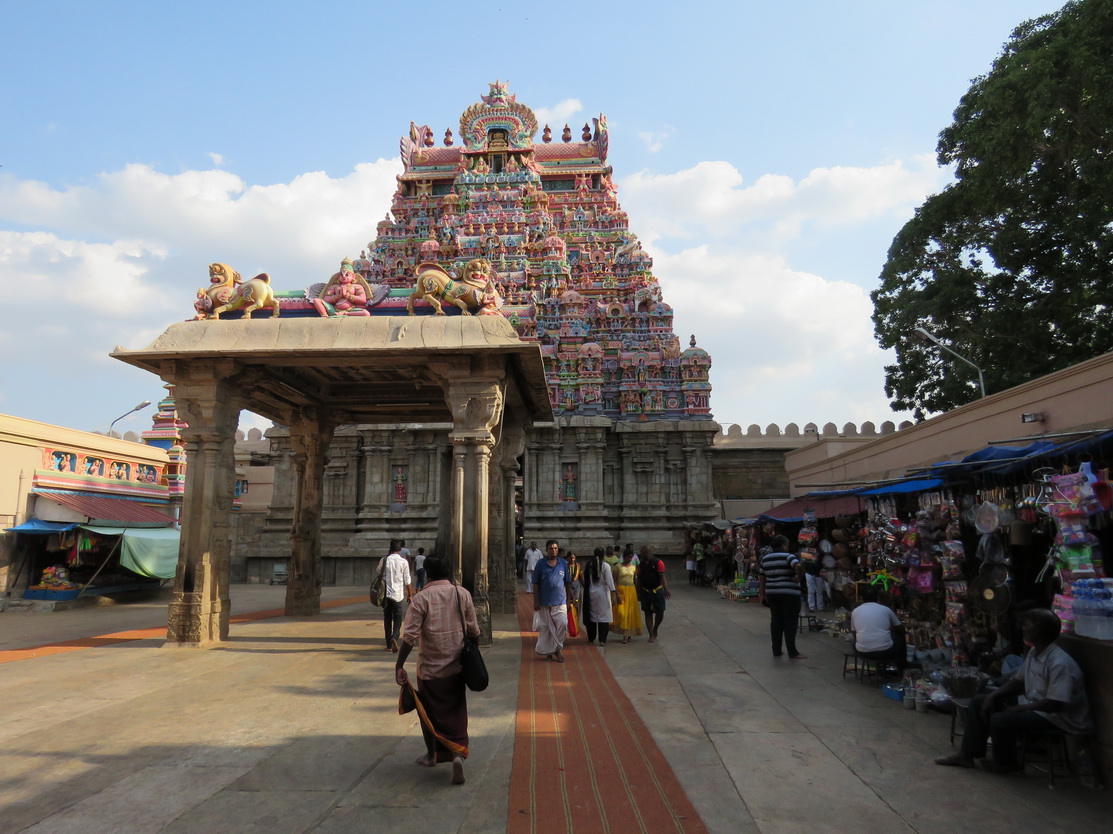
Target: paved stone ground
[291, 726]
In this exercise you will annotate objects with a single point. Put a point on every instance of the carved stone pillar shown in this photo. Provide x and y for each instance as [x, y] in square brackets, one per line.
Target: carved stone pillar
[208, 402]
[310, 435]
[476, 399]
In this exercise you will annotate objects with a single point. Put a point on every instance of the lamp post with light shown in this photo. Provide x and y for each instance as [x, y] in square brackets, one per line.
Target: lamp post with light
[928, 336]
[139, 407]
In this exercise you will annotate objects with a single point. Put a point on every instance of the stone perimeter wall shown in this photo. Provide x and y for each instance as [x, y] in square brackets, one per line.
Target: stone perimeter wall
[636, 482]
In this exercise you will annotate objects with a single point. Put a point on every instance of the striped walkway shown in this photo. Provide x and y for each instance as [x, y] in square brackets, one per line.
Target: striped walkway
[584, 761]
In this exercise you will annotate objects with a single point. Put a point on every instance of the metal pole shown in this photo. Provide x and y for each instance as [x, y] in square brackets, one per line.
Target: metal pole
[929, 336]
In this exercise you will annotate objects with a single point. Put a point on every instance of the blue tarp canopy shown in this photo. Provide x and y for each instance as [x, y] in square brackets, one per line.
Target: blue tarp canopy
[1006, 460]
[900, 487]
[33, 525]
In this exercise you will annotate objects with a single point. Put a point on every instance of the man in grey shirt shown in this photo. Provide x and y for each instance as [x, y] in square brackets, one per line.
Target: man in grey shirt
[1052, 697]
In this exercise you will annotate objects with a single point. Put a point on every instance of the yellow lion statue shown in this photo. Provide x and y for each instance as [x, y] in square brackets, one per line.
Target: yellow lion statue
[476, 289]
[249, 296]
[223, 281]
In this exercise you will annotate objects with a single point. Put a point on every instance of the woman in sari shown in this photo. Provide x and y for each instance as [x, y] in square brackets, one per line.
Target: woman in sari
[436, 621]
[599, 595]
[629, 620]
[576, 581]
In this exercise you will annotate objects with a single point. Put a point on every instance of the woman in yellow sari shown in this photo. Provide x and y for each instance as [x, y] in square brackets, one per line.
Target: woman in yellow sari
[627, 615]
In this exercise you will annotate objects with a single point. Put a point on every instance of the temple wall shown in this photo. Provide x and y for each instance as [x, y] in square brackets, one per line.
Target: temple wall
[749, 473]
[632, 482]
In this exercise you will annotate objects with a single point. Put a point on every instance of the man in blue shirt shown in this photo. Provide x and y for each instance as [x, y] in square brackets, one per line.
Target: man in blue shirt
[551, 592]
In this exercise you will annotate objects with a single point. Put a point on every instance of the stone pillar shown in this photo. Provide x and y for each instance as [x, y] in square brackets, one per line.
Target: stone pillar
[207, 400]
[503, 587]
[508, 592]
[459, 487]
[476, 400]
[310, 435]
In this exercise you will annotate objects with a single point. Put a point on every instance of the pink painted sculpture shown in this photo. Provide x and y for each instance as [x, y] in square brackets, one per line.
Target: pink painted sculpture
[346, 294]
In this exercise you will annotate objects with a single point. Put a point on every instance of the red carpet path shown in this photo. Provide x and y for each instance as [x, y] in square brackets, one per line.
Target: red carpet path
[584, 761]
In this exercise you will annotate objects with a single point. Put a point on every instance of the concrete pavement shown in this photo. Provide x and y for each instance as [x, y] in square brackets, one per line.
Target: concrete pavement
[292, 726]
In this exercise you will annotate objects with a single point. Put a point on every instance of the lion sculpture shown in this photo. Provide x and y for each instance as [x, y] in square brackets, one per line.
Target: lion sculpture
[250, 296]
[475, 289]
[223, 281]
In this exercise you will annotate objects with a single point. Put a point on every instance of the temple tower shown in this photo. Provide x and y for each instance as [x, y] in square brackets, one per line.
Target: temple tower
[627, 457]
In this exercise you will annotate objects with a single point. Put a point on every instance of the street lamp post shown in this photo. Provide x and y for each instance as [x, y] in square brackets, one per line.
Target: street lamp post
[139, 407]
[928, 336]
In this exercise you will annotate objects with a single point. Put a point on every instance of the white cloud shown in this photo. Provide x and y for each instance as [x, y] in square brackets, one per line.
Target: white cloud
[655, 141]
[556, 117]
[115, 262]
[713, 198]
[218, 159]
[787, 345]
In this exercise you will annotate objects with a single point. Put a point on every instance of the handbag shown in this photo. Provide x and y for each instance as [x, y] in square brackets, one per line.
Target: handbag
[474, 667]
[378, 588]
[573, 629]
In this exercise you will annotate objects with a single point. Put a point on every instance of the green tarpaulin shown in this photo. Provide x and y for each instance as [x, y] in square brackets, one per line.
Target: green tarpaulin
[147, 551]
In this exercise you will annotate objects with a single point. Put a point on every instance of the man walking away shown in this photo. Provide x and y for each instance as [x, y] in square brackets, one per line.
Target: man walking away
[780, 575]
[419, 567]
[396, 570]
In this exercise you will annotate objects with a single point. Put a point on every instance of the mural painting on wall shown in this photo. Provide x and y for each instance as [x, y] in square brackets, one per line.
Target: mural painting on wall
[568, 483]
[58, 460]
[534, 232]
[399, 478]
[63, 461]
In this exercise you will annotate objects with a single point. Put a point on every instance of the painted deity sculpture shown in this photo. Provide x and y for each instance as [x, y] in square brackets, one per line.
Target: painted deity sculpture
[346, 294]
[475, 289]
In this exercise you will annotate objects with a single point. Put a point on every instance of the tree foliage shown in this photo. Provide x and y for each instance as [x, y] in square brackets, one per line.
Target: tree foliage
[1010, 265]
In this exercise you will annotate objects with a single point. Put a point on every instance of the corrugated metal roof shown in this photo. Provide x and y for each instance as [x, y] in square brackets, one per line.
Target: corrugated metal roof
[106, 508]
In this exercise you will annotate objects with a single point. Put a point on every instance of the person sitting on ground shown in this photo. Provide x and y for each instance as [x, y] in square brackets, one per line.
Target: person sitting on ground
[1054, 698]
[878, 633]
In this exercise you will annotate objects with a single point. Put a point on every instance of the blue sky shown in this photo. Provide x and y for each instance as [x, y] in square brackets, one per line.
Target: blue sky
[766, 154]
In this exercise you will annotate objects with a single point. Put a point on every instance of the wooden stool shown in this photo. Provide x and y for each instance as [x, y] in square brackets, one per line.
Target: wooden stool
[806, 621]
[848, 667]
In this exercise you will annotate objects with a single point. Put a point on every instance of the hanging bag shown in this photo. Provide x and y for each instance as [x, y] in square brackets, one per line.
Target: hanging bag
[474, 667]
[378, 587]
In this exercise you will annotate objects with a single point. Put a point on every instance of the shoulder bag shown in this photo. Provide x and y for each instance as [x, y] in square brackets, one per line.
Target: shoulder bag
[378, 587]
[474, 667]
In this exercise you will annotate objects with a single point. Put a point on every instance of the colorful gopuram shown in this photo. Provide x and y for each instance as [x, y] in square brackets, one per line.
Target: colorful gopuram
[569, 272]
[532, 228]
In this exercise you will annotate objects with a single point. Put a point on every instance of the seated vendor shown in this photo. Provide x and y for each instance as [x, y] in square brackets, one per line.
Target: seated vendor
[878, 633]
[1052, 698]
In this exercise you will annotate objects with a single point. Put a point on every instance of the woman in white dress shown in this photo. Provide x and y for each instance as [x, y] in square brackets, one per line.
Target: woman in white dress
[599, 595]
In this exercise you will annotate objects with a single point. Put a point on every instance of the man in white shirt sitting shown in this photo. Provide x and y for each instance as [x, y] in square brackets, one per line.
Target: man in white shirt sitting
[878, 633]
[396, 571]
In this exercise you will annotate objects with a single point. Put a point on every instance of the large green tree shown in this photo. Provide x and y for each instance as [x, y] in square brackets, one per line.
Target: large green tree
[1010, 265]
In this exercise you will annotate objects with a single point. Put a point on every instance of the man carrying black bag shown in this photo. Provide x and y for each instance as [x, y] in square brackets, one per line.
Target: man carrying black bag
[439, 616]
